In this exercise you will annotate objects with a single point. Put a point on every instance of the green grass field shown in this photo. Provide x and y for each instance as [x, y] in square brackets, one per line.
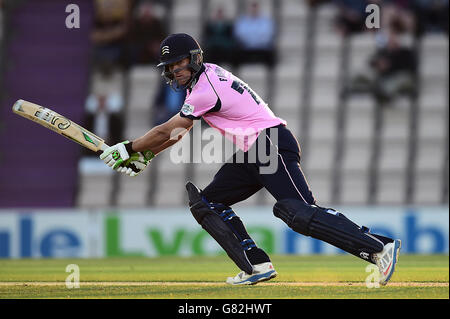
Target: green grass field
[299, 277]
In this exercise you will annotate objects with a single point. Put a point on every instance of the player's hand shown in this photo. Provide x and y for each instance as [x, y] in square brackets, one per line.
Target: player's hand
[115, 155]
[136, 163]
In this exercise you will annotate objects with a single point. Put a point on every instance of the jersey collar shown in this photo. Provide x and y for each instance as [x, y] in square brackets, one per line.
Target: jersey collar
[196, 77]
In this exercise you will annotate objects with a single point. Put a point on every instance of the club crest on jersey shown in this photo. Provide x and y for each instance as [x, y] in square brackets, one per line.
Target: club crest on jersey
[187, 109]
[165, 50]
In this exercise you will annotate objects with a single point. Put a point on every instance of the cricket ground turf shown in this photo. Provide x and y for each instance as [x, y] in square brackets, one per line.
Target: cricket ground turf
[299, 277]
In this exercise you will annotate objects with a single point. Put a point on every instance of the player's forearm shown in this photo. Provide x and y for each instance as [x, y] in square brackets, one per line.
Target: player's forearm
[164, 146]
[175, 136]
[163, 136]
[158, 139]
[152, 140]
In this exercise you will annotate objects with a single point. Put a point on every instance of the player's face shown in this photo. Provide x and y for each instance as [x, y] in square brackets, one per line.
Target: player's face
[181, 72]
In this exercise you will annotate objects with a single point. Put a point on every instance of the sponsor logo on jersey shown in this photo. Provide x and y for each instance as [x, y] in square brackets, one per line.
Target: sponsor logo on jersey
[187, 109]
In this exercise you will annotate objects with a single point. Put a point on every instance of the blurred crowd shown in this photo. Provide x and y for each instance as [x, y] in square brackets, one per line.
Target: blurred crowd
[414, 16]
[249, 38]
[128, 33]
[125, 33]
[392, 68]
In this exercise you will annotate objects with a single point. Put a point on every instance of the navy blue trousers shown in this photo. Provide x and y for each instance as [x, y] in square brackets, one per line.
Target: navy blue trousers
[236, 181]
[244, 174]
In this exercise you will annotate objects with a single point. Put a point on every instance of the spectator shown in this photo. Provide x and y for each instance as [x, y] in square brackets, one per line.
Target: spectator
[111, 24]
[255, 36]
[167, 103]
[218, 41]
[103, 117]
[393, 66]
[316, 3]
[147, 32]
[431, 15]
[396, 16]
[351, 16]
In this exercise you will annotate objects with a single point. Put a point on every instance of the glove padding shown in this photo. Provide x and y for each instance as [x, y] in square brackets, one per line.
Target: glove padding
[136, 163]
[118, 158]
[115, 155]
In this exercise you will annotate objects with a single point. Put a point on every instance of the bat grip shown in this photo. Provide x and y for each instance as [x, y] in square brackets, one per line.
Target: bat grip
[103, 147]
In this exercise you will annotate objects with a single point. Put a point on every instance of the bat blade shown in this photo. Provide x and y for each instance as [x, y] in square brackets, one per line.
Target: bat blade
[59, 124]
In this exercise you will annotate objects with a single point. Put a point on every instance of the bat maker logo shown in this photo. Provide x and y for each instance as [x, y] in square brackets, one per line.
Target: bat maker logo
[115, 155]
[51, 117]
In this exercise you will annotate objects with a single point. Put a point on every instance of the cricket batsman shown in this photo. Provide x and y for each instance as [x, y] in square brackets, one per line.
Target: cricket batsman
[229, 105]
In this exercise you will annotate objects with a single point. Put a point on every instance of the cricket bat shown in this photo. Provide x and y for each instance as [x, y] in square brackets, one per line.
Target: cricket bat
[60, 124]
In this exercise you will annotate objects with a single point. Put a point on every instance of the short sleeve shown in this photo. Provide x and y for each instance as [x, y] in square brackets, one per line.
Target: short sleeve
[199, 102]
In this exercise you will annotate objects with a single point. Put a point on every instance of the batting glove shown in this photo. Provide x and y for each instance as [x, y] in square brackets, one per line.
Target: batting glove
[115, 155]
[136, 163]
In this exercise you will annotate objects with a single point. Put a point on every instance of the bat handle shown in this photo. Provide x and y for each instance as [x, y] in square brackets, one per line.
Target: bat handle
[104, 147]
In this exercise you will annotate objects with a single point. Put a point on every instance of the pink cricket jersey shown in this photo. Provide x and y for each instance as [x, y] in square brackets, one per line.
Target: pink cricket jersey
[229, 105]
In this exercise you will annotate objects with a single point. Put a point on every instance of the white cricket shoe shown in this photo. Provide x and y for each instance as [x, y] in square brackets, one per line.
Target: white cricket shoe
[387, 259]
[261, 272]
